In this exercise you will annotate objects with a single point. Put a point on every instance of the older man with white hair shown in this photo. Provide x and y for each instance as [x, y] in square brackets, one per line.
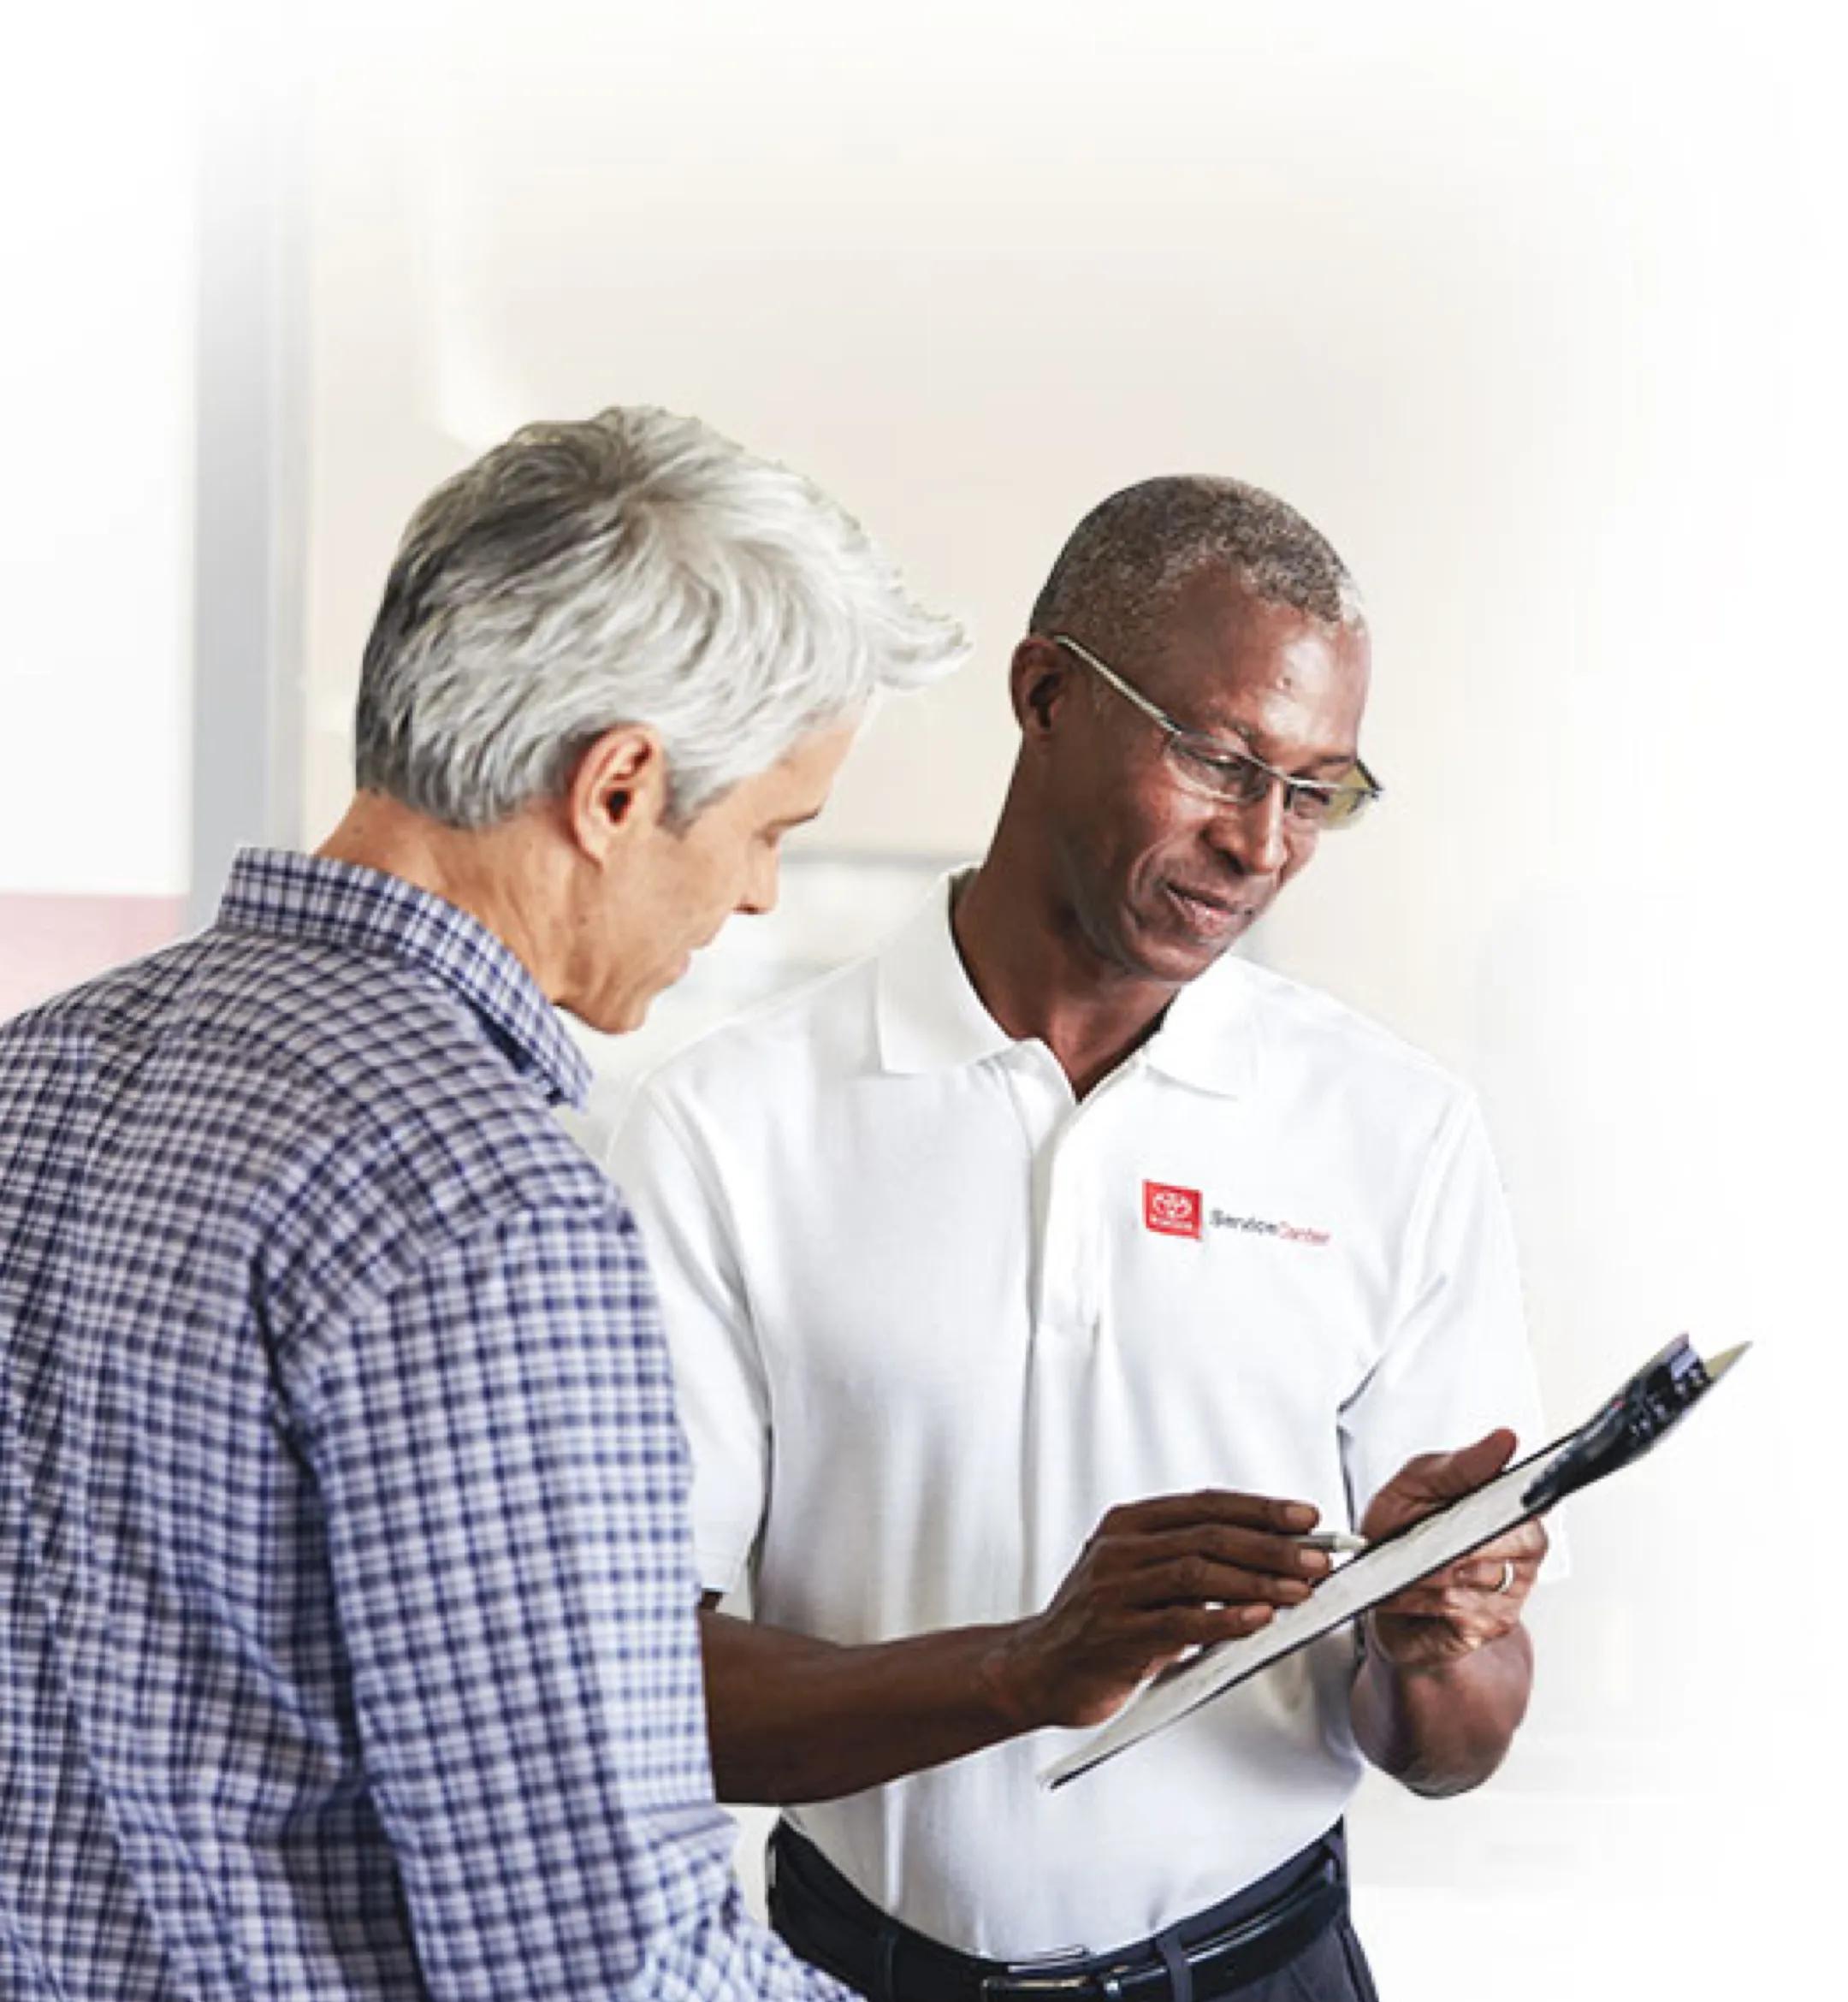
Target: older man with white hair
[348, 1646]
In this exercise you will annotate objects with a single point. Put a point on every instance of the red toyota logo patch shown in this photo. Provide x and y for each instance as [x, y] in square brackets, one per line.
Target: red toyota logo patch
[1174, 1212]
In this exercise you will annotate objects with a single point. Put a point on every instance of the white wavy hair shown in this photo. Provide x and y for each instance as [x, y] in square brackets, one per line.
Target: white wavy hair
[635, 567]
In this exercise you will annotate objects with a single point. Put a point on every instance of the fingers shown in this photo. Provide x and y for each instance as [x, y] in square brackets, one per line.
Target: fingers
[1413, 1641]
[1120, 1615]
[1480, 1597]
[1444, 1476]
[1485, 1569]
[1209, 1508]
[1161, 1639]
[1157, 1579]
[1176, 1629]
[1203, 1562]
[1158, 1634]
[1208, 1556]
[1433, 1479]
[1448, 1597]
[1195, 1580]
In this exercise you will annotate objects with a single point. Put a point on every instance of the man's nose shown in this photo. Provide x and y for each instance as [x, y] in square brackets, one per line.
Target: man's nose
[1254, 834]
[759, 896]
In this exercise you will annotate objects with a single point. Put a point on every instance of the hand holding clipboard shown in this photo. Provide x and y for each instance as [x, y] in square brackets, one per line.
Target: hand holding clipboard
[1641, 1412]
[1473, 1601]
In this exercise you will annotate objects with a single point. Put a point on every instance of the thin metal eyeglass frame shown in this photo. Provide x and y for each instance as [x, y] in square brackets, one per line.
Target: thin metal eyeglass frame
[1365, 794]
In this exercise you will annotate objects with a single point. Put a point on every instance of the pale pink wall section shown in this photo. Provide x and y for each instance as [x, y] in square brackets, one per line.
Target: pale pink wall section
[48, 943]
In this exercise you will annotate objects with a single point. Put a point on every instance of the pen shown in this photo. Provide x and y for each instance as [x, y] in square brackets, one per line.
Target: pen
[1335, 1542]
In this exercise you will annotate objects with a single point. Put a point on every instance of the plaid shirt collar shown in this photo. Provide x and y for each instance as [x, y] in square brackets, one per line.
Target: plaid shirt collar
[304, 896]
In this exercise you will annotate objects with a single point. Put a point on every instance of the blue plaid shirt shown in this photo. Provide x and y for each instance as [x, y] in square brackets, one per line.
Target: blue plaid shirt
[347, 1637]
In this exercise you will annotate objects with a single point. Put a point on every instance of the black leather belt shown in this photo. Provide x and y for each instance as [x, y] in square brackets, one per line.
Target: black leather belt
[1214, 1953]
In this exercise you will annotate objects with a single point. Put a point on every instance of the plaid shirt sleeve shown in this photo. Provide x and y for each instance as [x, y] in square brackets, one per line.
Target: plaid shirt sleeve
[504, 1488]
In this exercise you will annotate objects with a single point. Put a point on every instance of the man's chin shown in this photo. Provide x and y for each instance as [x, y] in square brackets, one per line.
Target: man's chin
[1178, 965]
[1165, 961]
[1176, 949]
[618, 1015]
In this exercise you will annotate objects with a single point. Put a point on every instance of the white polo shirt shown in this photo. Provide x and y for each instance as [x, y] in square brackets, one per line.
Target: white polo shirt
[931, 1318]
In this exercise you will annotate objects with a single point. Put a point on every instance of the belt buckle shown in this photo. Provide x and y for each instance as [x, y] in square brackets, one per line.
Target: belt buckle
[1040, 1977]
[1024, 1981]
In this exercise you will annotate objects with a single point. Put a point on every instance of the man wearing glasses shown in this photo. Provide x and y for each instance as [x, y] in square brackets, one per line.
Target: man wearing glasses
[1035, 1285]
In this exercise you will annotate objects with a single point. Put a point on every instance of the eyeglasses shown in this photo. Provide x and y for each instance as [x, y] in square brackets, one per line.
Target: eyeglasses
[1210, 766]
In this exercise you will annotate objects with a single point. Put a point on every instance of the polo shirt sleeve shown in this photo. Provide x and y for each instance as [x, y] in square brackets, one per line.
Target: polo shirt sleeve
[1455, 1361]
[502, 1482]
[666, 1176]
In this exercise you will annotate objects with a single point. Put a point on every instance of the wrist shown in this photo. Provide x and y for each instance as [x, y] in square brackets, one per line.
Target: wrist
[1008, 1674]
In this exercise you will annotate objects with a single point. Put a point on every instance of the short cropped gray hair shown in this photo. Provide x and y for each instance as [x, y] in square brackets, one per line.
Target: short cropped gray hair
[635, 567]
[1118, 577]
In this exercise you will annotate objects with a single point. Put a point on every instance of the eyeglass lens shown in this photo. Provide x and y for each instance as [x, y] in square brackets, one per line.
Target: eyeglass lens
[1226, 775]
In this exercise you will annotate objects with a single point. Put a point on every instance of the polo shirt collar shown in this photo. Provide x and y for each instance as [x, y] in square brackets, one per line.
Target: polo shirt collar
[930, 1017]
[305, 896]
[1208, 1037]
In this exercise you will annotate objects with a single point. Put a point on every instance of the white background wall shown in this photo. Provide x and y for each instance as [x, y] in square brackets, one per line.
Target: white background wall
[97, 188]
[1541, 320]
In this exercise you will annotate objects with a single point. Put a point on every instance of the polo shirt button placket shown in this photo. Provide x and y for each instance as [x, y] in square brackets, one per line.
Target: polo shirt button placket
[1043, 1104]
[1070, 1297]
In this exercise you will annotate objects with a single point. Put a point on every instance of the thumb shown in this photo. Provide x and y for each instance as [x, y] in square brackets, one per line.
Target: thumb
[1452, 1474]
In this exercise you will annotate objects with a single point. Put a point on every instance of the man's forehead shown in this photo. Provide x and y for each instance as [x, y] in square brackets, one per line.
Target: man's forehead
[1219, 640]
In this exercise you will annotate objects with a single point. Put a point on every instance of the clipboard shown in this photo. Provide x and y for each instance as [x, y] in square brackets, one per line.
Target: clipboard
[1638, 1418]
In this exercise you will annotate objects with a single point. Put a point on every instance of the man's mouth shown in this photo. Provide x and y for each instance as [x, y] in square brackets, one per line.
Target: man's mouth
[1207, 913]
